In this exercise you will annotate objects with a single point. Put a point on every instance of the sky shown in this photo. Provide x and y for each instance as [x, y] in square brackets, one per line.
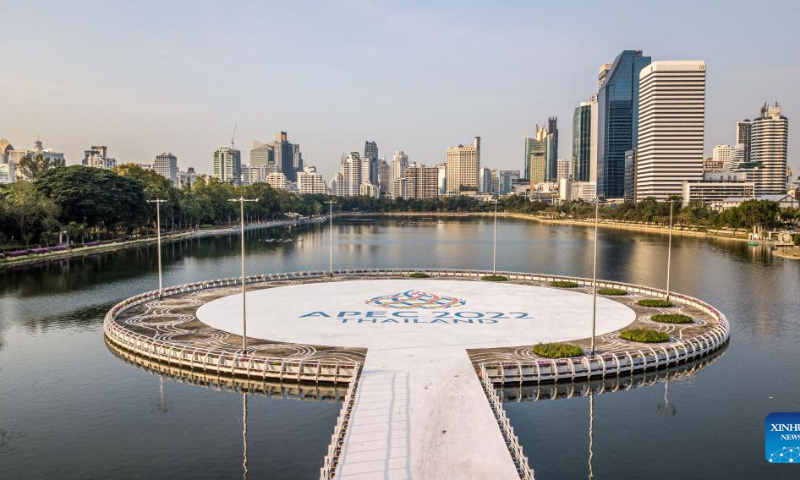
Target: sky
[144, 77]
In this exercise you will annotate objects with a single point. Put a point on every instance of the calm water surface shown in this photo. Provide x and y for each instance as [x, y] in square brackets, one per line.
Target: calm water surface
[69, 408]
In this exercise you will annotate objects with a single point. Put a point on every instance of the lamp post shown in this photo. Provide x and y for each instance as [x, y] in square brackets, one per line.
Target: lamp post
[330, 238]
[158, 203]
[241, 201]
[594, 271]
[669, 248]
[494, 252]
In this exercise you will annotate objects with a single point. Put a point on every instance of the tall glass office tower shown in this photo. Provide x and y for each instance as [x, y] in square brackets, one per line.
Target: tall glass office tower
[581, 142]
[618, 106]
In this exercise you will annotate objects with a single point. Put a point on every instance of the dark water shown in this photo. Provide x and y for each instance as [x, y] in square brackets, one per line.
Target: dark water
[69, 408]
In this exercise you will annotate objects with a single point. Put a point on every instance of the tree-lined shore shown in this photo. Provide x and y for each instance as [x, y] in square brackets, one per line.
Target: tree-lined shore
[87, 204]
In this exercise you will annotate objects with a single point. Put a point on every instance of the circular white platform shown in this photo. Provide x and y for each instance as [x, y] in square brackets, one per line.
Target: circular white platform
[416, 313]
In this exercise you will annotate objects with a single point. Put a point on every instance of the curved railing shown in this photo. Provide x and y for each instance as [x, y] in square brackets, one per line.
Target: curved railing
[220, 361]
[639, 358]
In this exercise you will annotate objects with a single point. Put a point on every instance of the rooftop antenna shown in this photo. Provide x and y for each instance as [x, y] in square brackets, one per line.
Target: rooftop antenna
[234, 135]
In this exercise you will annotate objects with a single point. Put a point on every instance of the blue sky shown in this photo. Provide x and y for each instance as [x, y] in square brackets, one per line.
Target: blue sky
[143, 77]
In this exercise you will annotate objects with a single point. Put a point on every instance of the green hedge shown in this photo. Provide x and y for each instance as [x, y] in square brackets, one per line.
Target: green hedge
[655, 302]
[672, 318]
[557, 350]
[643, 335]
[612, 291]
[564, 284]
[419, 275]
[494, 278]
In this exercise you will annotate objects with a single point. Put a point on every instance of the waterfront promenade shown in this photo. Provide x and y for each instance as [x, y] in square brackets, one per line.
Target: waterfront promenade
[166, 237]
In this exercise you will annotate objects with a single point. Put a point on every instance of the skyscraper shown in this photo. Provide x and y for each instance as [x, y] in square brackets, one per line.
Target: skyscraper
[463, 166]
[297, 158]
[536, 163]
[670, 128]
[384, 177]
[228, 165]
[371, 155]
[722, 154]
[769, 142]
[397, 171]
[349, 179]
[563, 168]
[284, 156]
[505, 181]
[166, 165]
[581, 142]
[593, 138]
[552, 148]
[743, 129]
[530, 143]
[618, 107]
[421, 182]
[263, 155]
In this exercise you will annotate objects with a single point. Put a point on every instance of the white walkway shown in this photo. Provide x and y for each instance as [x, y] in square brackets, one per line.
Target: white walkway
[420, 410]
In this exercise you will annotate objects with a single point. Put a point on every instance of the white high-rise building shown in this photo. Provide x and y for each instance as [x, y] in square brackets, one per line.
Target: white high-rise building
[348, 180]
[397, 171]
[310, 182]
[463, 167]
[228, 165]
[671, 127]
[769, 143]
[166, 165]
[277, 180]
[723, 154]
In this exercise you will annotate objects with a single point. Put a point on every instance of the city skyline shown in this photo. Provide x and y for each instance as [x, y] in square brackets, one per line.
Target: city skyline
[421, 108]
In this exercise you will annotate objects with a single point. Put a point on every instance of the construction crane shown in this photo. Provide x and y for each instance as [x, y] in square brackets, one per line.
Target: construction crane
[234, 135]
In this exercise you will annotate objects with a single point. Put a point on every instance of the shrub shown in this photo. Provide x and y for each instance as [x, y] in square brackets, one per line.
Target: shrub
[612, 291]
[494, 278]
[557, 350]
[419, 275]
[655, 302]
[672, 318]
[563, 284]
[643, 335]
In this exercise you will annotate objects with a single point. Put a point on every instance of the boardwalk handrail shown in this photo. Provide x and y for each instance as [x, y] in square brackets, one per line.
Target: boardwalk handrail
[514, 448]
[331, 461]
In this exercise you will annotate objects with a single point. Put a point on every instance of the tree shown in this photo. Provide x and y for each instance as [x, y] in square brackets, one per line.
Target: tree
[33, 168]
[759, 213]
[26, 206]
[99, 198]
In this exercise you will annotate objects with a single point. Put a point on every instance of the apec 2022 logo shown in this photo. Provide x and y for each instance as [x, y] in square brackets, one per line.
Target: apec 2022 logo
[782, 437]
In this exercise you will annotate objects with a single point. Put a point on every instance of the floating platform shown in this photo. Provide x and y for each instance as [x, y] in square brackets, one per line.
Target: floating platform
[420, 356]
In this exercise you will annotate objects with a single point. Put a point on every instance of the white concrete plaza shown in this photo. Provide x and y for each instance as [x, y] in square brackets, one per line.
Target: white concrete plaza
[420, 411]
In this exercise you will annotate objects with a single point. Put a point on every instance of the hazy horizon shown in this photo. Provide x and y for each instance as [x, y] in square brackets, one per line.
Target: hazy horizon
[147, 77]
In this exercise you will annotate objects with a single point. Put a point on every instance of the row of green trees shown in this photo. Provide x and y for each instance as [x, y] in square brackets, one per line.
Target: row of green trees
[92, 204]
[750, 214]
[89, 203]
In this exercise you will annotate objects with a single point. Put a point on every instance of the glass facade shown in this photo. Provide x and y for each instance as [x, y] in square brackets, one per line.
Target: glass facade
[552, 148]
[581, 142]
[618, 106]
